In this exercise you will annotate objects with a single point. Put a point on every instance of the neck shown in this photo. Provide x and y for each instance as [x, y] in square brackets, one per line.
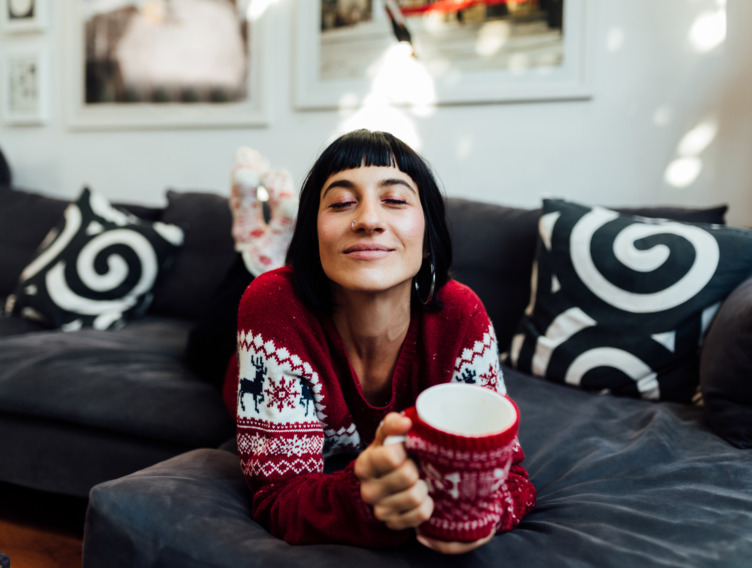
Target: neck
[373, 328]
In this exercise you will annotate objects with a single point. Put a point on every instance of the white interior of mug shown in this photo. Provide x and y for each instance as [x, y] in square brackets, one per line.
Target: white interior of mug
[468, 410]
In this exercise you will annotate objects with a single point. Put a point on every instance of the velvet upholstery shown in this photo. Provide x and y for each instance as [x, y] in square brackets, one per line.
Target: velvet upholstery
[726, 368]
[621, 482]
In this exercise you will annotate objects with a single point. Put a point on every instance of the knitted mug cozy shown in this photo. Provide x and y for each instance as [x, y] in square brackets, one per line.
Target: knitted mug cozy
[466, 478]
[262, 245]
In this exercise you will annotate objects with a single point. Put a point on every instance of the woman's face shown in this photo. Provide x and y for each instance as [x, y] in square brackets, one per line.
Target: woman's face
[383, 249]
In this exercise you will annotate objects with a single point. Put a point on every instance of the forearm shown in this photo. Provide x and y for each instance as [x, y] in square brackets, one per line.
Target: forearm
[316, 508]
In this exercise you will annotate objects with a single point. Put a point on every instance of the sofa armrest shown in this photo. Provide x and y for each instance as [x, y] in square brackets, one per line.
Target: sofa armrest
[726, 368]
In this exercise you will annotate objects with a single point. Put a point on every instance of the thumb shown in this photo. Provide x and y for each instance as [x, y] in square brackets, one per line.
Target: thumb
[394, 424]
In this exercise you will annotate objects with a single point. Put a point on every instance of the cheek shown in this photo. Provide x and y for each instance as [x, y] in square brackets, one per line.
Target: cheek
[415, 233]
[325, 232]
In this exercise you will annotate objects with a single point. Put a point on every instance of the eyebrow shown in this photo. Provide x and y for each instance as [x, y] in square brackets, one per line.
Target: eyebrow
[387, 182]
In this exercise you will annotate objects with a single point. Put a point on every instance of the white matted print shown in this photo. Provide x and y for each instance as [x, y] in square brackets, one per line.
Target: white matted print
[416, 52]
[23, 15]
[165, 64]
[24, 88]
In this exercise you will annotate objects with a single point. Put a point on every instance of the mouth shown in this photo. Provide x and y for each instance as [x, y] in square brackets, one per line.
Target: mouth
[367, 251]
[365, 247]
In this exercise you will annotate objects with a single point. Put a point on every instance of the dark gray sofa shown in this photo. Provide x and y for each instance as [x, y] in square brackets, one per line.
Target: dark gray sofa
[621, 482]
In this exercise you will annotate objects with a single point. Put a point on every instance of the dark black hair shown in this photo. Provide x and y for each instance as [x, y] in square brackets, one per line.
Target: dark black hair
[349, 151]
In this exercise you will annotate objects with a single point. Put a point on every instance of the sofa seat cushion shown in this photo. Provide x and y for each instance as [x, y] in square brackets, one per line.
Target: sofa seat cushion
[12, 325]
[621, 482]
[131, 381]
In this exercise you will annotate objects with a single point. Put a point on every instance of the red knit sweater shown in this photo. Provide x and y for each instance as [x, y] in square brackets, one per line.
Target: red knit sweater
[298, 403]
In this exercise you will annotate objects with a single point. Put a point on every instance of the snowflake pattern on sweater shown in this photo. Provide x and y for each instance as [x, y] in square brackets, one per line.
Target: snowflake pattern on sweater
[299, 404]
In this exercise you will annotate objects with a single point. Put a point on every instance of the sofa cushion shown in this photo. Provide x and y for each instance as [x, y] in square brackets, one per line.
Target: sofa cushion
[621, 303]
[493, 252]
[95, 269]
[203, 260]
[726, 368]
[494, 248]
[131, 381]
[26, 217]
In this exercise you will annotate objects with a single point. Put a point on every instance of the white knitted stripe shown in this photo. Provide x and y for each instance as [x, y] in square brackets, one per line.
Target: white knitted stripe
[480, 365]
[280, 364]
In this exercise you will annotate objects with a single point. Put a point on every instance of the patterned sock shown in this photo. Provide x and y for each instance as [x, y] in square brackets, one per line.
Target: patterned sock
[263, 246]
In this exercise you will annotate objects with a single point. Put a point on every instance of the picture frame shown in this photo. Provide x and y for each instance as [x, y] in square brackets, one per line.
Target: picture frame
[20, 16]
[194, 106]
[570, 80]
[24, 88]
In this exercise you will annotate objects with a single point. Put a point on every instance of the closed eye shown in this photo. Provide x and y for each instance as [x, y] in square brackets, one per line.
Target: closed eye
[341, 205]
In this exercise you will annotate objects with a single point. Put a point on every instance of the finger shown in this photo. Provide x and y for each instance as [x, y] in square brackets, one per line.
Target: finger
[394, 424]
[400, 480]
[376, 461]
[408, 510]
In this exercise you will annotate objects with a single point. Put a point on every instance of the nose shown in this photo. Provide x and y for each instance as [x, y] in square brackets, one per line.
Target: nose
[368, 218]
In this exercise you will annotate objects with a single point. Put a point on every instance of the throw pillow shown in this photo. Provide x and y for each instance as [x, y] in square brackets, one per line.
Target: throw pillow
[494, 249]
[96, 269]
[726, 368]
[620, 303]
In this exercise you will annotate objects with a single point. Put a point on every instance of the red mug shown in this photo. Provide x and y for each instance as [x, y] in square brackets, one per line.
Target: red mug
[463, 438]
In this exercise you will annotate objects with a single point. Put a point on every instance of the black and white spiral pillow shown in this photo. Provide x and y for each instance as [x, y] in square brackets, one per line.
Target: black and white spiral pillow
[97, 268]
[620, 304]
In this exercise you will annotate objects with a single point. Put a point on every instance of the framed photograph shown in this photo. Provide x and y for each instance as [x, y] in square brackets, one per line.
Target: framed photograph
[23, 15]
[135, 64]
[24, 88]
[424, 52]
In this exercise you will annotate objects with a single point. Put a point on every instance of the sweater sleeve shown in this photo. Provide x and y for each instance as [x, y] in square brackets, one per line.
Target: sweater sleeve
[478, 362]
[281, 436]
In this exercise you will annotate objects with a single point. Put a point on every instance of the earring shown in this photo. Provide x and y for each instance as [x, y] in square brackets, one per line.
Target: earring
[431, 290]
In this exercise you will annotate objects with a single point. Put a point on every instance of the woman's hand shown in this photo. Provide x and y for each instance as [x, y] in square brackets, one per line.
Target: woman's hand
[389, 480]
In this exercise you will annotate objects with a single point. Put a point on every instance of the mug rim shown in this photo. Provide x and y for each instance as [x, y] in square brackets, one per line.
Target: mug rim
[508, 432]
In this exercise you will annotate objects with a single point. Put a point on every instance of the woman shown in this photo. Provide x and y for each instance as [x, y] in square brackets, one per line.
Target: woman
[333, 346]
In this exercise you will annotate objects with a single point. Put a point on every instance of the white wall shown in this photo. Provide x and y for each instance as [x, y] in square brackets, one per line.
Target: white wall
[660, 95]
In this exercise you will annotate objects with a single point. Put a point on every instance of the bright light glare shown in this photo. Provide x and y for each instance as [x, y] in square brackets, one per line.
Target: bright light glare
[683, 171]
[375, 116]
[663, 115]
[256, 8]
[696, 140]
[401, 79]
[492, 37]
[615, 39]
[709, 30]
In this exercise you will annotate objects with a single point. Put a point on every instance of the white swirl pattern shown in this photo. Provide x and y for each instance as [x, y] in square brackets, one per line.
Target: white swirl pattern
[99, 270]
[695, 279]
[620, 303]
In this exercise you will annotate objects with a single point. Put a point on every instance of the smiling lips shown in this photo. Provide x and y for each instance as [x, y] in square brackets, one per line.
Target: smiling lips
[367, 251]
